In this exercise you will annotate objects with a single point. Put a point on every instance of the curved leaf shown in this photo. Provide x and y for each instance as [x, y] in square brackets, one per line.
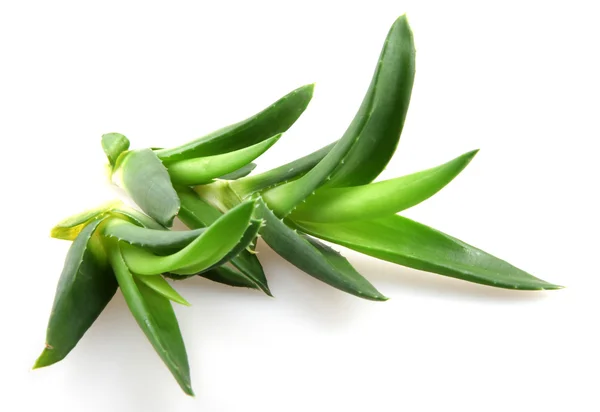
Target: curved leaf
[229, 276]
[146, 180]
[408, 243]
[385, 88]
[162, 287]
[154, 314]
[379, 199]
[206, 250]
[281, 174]
[85, 287]
[319, 261]
[275, 119]
[241, 172]
[69, 228]
[203, 170]
[114, 144]
[196, 213]
[151, 238]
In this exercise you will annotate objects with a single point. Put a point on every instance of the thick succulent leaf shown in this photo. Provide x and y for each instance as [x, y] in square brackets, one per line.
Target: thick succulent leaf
[147, 181]
[114, 144]
[384, 89]
[196, 213]
[162, 287]
[391, 89]
[154, 314]
[275, 119]
[85, 287]
[203, 170]
[69, 228]
[313, 258]
[205, 251]
[379, 199]
[408, 243]
[136, 217]
[241, 172]
[281, 174]
[149, 238]
[230, 276]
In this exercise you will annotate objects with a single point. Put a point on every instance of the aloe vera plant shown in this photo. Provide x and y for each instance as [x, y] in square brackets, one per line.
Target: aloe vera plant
[117, 247]
[328, 195]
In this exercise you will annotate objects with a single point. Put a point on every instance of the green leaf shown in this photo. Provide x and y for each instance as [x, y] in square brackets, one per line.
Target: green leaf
[316, 259]
[275, 119]
[146, 180]
[136, 217]
[241, 172]
[150, 238]
[246, 186]
[196, 213]
[229, 276]
[202, 170]
[390, 89]
[154, 314]
[69, 228]
[372, 122]
[114, 144]
[408, 243]
[85, 287]
[162, 287]
[206, 250]
[379, 199]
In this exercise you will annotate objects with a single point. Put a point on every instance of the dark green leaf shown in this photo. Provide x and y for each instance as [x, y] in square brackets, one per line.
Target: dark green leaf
[85, 287]
[275, 119]
[229, 276]
[408, 243]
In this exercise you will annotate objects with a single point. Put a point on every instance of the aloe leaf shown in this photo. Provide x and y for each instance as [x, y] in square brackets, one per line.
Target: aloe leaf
[203, 170]
[147, 181]
[114, 144]
[206, 250]
[408, 243]
[85, 287]
[69, 228]
[136, 217]
[275, 119]
[379, 199]
[229, 276]
[154, 314]
[314, 258]
[281, 174]
[196, 213]
[391, 89]
[150, 238]
[366, 125]
[241, 172]
[162, 287]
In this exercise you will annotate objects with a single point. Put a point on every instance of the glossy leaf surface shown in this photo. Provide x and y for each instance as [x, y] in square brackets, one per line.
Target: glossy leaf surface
[203, 170]
[275, 119]
[408, 243]
[162, 287]
[379, 199]
[85, 287]
[241, 172]
[154, 314]
[315, 259]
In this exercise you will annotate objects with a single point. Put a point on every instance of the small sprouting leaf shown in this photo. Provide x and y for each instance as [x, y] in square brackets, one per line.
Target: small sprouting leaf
[154, 314]
[69, 228]
[206, 250]
[373, 200]
[408, 243]
[281, 174]
[150, 238]
[196, 213]
[85, 287]
[203, 170]
[114, 144]
[275, 119]
[148, 183]
[161, 286]
[378, 121]
[241, 172]
[314, 258]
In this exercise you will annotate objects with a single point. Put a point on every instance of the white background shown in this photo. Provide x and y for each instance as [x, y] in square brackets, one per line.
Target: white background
[519, 80]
